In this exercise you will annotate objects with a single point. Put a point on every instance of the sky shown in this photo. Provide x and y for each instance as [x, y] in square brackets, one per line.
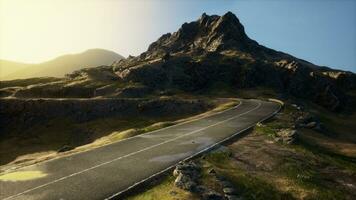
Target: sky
[320, 31]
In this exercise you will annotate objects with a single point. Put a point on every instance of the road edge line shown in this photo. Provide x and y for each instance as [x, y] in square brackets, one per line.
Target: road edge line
[132, 187]
[122, 140]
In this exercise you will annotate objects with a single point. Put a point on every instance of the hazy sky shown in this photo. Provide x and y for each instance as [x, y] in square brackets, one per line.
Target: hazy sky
[320, 31]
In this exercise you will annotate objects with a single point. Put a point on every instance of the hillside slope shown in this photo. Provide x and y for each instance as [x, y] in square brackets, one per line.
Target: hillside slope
[215, 49]
[212, 53]
[9, 67]
[58, 67]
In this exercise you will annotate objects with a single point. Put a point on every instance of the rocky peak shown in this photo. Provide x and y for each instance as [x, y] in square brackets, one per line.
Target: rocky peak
[210, 33]
[226, 54]
[230, 25]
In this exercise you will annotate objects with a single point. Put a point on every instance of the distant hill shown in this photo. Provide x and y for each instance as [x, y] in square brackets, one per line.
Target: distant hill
[207, 56]
[10, 67]
[59, 66]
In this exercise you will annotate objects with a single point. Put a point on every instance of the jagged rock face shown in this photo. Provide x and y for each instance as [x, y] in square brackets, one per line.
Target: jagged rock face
[29, 112]
[209, 33]
[212, 50]
[216, 49]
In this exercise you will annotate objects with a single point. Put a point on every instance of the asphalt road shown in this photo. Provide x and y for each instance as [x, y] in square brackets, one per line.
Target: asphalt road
[107, 171]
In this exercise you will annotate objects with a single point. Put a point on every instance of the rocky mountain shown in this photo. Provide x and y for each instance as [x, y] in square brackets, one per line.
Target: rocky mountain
[214, 50]
[59, 66]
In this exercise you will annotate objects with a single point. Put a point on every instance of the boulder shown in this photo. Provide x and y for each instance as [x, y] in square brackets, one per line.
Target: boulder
[185, 182]
[306, 120]
[212, 171]
[212, 195]
[191, 169]
[286, 136]
[229, 190]
[187, 175]
[311, 125]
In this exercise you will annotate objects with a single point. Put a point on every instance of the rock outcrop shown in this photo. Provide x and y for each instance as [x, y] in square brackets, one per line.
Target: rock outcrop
[187, 175]
[217, 49]
[286, 136]
[29, 112]
[203, 53]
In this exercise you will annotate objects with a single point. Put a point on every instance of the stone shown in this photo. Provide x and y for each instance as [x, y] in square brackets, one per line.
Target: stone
[185, 182]
[311, 125]
[298, 107]
[176, 172]
[200, 189]
[187, 174]
[229, 190]
[212, 195]
[233, 197]
[212, 171]
[286, 136]
[191, 169]
[65, 148]
[278, 139]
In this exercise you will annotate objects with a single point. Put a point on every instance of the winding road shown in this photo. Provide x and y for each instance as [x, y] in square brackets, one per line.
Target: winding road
[107, 172]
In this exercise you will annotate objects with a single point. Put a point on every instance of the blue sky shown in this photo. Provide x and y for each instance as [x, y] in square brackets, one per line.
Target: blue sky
[320, 31]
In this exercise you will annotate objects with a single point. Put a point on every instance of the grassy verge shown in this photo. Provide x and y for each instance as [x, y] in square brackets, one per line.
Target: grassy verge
[164, 191]
[248, 185]
[261, 168]
[20, 151]
[119, 135]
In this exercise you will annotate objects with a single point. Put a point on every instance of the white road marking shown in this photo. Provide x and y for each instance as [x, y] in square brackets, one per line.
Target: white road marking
[130, 154]
[130, 138]
[192, 156]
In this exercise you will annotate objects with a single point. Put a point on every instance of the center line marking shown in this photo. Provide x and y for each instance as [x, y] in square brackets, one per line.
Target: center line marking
[130, 154]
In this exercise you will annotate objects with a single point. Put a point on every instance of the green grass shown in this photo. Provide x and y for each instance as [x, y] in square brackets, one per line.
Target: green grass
[306, 175]
[327, 155]
[267, 130]
[163, 192]
[339, 125]
[249, 186]
[305, 171]
[218, 157]
[301, 171]
[255, 188]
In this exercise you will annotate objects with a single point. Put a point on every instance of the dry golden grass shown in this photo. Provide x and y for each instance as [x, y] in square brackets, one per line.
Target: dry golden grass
[105, 131]
[164, 191]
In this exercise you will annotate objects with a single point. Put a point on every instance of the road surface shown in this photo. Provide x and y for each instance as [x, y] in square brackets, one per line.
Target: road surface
[108, 171]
